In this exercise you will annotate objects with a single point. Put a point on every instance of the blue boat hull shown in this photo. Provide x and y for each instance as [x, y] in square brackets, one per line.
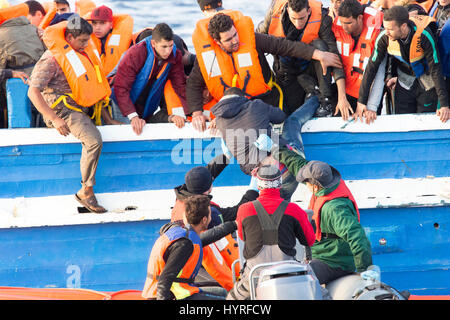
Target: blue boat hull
[410, 240]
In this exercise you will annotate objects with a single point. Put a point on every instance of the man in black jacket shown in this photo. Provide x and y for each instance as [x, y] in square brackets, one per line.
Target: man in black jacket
[305, 21]
[221, 28]
[418, 82]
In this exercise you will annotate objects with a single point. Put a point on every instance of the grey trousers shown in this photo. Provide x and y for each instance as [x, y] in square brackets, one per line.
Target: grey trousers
[84, 129]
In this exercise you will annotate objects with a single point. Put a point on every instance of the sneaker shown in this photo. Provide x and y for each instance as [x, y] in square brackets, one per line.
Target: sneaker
[308, 84]
[325, 109]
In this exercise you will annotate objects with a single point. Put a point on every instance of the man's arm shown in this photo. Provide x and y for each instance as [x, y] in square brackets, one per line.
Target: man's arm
[217, 233]
[430, 47]
[372, 67]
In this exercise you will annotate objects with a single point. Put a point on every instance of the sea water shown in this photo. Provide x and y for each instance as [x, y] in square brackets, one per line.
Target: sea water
[181, 15]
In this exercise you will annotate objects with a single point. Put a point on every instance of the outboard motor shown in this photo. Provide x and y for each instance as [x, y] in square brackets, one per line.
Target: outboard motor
[353, 287]
[285, 280]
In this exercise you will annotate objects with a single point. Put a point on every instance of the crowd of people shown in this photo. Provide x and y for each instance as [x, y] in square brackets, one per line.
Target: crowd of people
[87, 67]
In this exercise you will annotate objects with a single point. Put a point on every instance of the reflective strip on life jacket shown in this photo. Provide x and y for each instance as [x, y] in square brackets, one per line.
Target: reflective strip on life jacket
[219, 68]
[13, 12]
[311, 30]
[87, 82]
[355, 60]
[316, 204]
[117, 42]
[156, 264]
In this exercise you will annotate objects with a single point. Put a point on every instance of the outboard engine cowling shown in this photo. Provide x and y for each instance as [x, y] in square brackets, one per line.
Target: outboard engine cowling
[353, 287]
[286, 280]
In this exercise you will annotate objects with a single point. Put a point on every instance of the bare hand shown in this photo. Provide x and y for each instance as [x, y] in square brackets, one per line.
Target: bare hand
[199, 121]
[21, 75]
[177, 120]
[328, 59]
[360, 109]
[391, 83]
[443, 113]
[212, 126]
[137, 124]
[61, 126]
[344, 107]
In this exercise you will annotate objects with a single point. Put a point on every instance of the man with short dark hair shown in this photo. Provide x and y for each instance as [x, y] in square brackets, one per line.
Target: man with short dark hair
[176, 255]
[36, 12]
[308, 22]
[229, 53]
[417, 78]
[66, 110]
[356, 29]
[62, 6]
[210, 7]
[142, 80]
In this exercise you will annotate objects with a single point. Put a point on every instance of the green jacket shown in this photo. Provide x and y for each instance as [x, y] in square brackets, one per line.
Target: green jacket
[352, 249]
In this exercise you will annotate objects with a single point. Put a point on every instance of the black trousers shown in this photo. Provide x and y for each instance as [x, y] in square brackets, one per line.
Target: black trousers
[325, 273]
[414, 100]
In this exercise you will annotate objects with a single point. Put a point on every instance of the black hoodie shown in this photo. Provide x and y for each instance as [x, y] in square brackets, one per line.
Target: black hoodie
[240, 122]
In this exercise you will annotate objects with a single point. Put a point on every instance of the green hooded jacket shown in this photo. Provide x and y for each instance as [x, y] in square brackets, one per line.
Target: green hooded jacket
[352, 250]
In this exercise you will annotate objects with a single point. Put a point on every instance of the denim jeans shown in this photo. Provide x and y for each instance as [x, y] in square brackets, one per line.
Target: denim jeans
[293, 124]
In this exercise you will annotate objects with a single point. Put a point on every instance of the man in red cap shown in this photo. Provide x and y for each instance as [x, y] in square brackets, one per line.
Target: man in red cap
[112, 35]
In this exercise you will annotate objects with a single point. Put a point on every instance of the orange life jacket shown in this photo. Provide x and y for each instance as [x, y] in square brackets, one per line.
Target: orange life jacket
[427, 4]
[117, 42]
[84, 7]
[173, 102]
[83, 71]
[311, 31]
[13, 12]
[417, 59]
[316, 204]
[355, 58]
[221, 70]
[183, 286]
[50, 9]
[218, 257]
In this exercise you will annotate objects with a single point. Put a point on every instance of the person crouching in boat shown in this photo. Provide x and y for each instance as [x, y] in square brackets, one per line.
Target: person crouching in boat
[269, 227]
[149, 71]
[218, 257]
[341, 245]
[65, 84]
[177, 255]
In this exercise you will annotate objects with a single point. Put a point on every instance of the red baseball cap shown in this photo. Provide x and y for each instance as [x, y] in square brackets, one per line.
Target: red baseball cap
[102, 13]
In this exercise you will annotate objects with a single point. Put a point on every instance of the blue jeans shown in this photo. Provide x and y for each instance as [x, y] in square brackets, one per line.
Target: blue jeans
[292, 127]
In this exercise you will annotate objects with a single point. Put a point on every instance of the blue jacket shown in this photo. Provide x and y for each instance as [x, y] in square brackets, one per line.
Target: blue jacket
[157, 89]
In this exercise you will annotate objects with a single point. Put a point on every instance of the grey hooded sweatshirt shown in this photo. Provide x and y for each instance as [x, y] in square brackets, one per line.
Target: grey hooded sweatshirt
[240, 122]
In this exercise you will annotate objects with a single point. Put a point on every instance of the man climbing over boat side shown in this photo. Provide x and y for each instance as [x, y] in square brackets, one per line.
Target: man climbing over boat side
[416, 78]
[177, 255]
[269, 227]
[245, 127]
[150, 71]
[308, 22]
[65, 85]
[217, 257]
[230, 53]
[341, 245]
